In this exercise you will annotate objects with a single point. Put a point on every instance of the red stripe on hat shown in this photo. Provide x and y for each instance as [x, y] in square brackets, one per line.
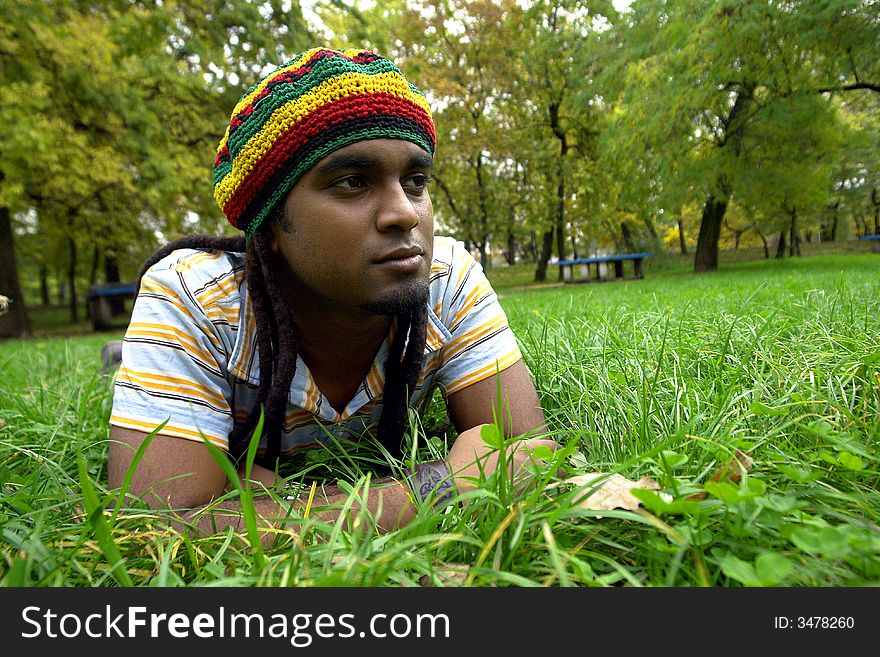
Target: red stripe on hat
[222, 155]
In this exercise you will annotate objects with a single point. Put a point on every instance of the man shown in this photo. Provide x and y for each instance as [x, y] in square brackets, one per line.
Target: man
[337, 310]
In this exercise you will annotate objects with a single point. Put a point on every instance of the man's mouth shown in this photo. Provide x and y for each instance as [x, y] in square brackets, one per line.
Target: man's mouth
[402, 254]
[405, 260]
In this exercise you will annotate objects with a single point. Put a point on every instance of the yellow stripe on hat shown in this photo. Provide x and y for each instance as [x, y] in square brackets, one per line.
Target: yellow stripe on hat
[257, 90]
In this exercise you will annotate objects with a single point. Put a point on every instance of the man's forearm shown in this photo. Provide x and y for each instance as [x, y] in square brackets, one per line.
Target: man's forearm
[388, 504]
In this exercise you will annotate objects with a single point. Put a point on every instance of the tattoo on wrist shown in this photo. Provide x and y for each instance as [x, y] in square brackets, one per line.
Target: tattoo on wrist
[293, 491]
[432, 479]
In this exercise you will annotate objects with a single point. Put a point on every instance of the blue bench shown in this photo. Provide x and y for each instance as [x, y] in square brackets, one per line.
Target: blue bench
[601, 267]
[99, 297]
[875, 242]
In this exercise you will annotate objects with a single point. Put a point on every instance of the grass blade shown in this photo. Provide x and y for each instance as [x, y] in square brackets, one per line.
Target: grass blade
[246, 495]
[101, 528]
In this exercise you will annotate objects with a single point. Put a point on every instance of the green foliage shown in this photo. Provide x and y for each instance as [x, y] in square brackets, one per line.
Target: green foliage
[603, 131]
[111, 113]
[729, 101]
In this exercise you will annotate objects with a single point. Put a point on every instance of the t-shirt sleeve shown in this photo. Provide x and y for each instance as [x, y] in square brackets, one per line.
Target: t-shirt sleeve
[173, 363]
[481, 341]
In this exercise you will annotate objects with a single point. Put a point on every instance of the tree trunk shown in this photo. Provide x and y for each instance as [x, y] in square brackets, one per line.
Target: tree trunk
[71, 280]
[875, 201]
[544, 259]
[794, 242]
[560, 189]
[834, 223]
[682, 243]
[484, 256]
[533, 246]
[484, 216]
[706, 256]
[111, 275]
[93, 270]
[93, 275]
[655, 239]
[511, 249]
[44, 286]
[766, 246]
[627, 236]
[780, 248]
[14, 323]
[62, 288]
[560, 239]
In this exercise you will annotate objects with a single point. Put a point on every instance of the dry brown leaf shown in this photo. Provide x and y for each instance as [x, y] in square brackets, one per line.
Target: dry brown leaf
[732, 472]
[449, 574]
[2, 423]
[612, 492]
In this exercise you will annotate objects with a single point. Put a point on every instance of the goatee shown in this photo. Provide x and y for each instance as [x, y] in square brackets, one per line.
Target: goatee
[405, 299]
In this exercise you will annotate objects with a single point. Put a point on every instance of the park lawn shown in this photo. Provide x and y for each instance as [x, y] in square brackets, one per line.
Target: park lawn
[667, 377]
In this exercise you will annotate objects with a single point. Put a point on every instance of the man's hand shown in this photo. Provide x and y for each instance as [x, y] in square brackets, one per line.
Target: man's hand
[470, 455]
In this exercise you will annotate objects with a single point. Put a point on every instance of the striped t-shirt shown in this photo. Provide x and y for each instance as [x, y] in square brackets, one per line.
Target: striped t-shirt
[190, 354]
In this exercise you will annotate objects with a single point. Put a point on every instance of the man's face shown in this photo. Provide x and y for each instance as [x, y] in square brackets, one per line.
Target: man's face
[359, 232]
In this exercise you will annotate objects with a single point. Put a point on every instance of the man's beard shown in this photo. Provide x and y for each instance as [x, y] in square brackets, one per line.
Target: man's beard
[404, 299]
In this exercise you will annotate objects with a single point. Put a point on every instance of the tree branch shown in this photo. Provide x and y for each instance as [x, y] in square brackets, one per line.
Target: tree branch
[448, 194]
[851, 87]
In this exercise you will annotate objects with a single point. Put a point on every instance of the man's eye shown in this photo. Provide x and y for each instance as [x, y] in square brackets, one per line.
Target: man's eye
[419, 181]
[350, 182]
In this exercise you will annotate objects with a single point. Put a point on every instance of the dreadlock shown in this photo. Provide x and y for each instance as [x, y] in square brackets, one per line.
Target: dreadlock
[277, 346]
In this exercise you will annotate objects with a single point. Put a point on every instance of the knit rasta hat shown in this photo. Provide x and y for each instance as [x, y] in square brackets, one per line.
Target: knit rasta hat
[301, 112]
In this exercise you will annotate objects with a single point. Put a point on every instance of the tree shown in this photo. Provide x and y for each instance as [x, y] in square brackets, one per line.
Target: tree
[14, 322]
[701, 81]
[112, 111]
[856, 172]
[509, 87]
[556, 61]
[466, 78]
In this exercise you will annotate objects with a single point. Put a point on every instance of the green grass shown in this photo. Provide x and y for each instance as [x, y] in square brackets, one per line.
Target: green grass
[521, 275]
[665, 377]
[54, 321]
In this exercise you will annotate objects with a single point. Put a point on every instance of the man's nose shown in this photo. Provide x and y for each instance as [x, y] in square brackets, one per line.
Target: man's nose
[396, 209]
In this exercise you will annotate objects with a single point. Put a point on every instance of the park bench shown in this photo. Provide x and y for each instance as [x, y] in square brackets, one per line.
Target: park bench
[875, 242]
[100, 300]
[601, 267]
